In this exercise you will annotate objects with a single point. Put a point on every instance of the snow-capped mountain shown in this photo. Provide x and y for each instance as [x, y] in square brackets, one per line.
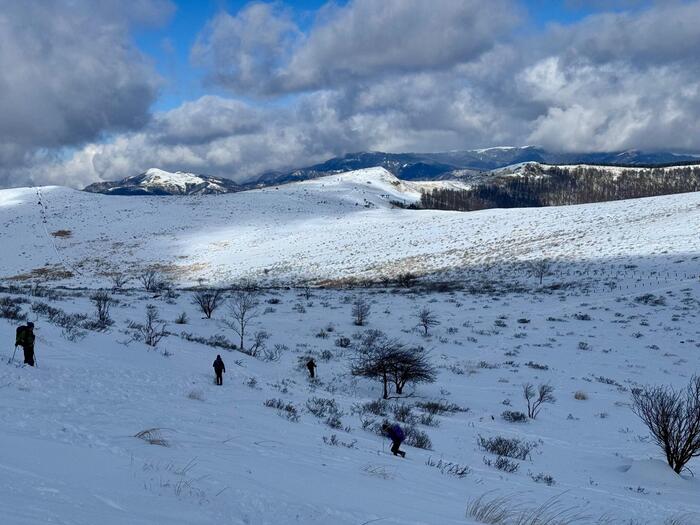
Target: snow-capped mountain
[160, 182]
[467, 164]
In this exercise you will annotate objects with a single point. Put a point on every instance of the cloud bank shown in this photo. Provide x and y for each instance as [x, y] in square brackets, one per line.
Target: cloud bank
[397, 75]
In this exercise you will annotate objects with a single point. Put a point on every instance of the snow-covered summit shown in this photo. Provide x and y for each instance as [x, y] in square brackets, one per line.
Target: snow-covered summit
[155, 181]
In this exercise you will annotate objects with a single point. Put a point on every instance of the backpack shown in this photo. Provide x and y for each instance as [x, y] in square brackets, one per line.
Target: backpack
[19, 335]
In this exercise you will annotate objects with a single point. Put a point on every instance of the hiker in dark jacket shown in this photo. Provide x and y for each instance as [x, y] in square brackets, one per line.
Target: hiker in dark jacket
[219, 369]
[25, 338]
[311, 365]
[395, 433]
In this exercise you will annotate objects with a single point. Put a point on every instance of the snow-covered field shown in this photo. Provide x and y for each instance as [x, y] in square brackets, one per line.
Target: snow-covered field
[625, 314]
[330, 228]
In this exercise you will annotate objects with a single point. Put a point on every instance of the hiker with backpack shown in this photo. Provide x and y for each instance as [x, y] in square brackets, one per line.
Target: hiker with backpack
[219, 369]
[397, 436]
[25, 338]
[311, 365]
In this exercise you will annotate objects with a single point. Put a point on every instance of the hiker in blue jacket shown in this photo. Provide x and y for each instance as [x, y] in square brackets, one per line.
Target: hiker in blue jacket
[395, 433]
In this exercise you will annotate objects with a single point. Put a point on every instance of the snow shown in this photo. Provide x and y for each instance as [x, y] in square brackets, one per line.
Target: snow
[67, 448]
[164, 179]
[517, 169]
[324, 229]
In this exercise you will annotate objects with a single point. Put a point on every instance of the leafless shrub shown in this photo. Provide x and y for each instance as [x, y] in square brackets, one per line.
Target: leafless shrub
[10, 308]
[673, 419]
[540, 269]
[118, 280]
[440, 408]
[275, 353]
[502, 463]
[102, 301]
[580, 395]
[151, 280]
[259, 343]
[360, 312]
[153, 436]
[388, 360]
[154, 329]
[507, 447]
[447, 467]
[514, 416]
[243, 308]
[427, 319]
[287, 410]
[406, 279]
[535, 400]
[182, 318]
[207, 300]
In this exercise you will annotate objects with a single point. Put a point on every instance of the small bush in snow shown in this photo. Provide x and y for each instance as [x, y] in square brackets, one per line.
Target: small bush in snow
[447, 467]
[10, 308]
[403, 413]
[543, 478]
[360, 312]
[102, 301]
[536, 366]
[440, 408]
[333, 441]
[514, 416]
[418, 439]
[673, 419]
[508, 447]
[153, 330]
[502, 463]
[342, 342]
[651, 299]
[287, 410]
[580, 395]
[535, 399]
[322, 407]
[429, 420]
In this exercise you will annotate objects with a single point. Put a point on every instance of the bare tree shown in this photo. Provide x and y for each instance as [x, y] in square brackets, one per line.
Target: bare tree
[388, 360]
[207, 300]
[119, 279]
[411, 365]
[426, 319]
[360, 312]
[102, 301]
[151, 280]
[306, 291]
[535, 400]
[154, 330]
[673, 418]
[243, 308]
[540, 268]
[406, 279]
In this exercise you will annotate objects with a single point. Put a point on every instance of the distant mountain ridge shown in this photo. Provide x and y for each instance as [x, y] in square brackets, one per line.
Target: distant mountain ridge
[155, 181]
[464, 166]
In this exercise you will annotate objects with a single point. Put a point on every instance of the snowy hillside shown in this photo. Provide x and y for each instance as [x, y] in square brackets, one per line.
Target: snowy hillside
[155, 181]
[111, 430]
[326, 229]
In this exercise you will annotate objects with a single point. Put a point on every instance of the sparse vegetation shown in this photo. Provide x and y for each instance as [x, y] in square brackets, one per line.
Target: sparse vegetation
[673, 419]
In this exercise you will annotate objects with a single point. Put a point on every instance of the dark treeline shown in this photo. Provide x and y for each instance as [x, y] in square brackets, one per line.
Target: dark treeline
[557, 186]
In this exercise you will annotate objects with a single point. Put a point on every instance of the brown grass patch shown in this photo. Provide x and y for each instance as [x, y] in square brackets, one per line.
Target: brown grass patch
[62, 233]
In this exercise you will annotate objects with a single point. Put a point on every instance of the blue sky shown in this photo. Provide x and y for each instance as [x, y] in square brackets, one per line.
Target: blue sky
[234, 89]
[169, 45]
